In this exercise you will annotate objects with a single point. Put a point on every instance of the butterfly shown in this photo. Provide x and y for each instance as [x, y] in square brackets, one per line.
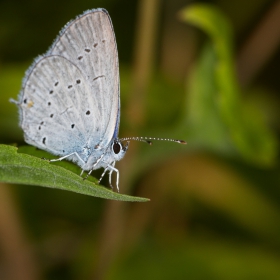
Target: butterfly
[69, 104]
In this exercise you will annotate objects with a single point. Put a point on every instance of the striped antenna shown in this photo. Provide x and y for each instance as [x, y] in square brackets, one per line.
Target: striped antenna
[148, 139]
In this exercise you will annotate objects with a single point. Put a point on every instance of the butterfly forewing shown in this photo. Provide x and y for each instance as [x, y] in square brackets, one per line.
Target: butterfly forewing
[89, 43]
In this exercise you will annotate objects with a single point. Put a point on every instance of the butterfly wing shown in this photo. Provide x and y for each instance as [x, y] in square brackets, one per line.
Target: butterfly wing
[53, 114]
[70, 97]
[89, 42]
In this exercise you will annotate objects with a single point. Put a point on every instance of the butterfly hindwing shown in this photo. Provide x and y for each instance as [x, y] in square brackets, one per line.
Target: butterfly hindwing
[56, 114]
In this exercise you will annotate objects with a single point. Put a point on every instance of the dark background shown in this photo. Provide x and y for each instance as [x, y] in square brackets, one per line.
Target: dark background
[214, 213]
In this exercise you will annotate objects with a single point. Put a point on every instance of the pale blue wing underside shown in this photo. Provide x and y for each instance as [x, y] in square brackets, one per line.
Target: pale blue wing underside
[70, 96]
[89, 42]
[55, 116]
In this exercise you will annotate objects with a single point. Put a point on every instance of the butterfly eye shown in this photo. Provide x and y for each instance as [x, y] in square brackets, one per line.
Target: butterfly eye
[116, 148]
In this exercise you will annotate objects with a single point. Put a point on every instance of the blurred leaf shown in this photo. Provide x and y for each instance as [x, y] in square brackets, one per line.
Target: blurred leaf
[213, 183]
[215, 106]
[204, 117]
[19, 168]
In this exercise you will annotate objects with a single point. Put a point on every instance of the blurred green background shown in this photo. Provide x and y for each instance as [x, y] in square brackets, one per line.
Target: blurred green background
[203, 71]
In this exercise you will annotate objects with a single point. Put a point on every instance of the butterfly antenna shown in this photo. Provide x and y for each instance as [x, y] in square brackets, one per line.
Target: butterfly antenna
[148, 140]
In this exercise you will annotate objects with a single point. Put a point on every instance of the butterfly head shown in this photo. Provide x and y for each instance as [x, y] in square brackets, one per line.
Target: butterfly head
[118, 149]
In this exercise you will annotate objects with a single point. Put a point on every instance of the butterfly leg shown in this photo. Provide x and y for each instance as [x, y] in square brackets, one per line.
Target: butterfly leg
[110, 174]
[112, 168]
[75, 153]
[93, 166]
[105, 169]
[61, 158]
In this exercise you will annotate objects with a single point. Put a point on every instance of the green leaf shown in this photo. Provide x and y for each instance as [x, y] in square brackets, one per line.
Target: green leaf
[203, 117]
[215, 95]
[20, 168]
